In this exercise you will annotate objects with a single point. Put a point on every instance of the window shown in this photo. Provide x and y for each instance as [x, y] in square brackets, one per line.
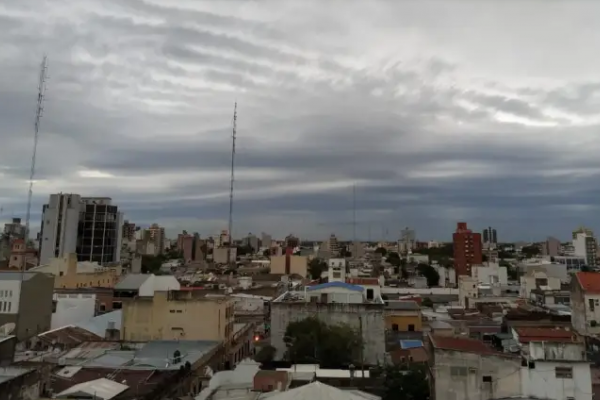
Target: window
[486, 379]
[370, 294]
[172, 311]
[102, 307]
[54, 306]
[411, 328]
[591, 302]
[179, 311]
[61, 273]
[117, 305]
[563, 372]
[395, 327]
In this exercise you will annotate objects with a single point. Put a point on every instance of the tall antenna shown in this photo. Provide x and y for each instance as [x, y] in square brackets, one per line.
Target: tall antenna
[39, 110]
[354, 213]
[231, 183]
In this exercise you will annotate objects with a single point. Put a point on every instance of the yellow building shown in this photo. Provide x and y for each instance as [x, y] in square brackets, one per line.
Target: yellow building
[177, 315]
[296, 265]
[71, 274]
[403, 316]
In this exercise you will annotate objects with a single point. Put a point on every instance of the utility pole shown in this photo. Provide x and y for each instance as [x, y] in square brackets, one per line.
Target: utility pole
[230, 228]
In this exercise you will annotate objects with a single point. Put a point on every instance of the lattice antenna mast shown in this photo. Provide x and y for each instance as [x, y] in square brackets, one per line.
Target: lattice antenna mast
[354, 214]
[39, 110]
[233, 137]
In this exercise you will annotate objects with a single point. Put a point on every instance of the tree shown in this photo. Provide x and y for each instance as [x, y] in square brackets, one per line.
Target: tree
[332, 346]
[265, 355]
[316, 266]
[381, 251]
[401, 383]
[244, 250]
[432, 276]
[151, 264]
[427, 302]
[267, 253]
[530, 251]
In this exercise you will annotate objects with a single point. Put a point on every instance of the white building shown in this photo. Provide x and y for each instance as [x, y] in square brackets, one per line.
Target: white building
[337, 269]
[490, 273]
[536, 279]
[10, 292]
[447, 275]
[585, 246]
[585, 303]
[71, 309]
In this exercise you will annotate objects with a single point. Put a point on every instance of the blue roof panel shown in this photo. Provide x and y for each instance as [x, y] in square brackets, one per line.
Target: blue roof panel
[343, 285]
[410, 344]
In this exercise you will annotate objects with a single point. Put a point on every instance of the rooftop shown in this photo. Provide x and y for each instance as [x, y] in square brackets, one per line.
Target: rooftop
[131, 282]
[463, 344]
[589, 282]
[342, 285]
[9, 373]
[101, 388]
[68, 335]
[363, 281]
[541, 334]
[403, 306]
[16, 276]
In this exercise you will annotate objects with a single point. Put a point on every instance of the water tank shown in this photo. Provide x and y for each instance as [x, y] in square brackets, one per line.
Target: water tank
[110, 325]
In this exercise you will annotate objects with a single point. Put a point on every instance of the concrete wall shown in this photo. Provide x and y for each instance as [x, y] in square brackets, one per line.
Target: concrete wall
[298, 265]
[459, 376]
[73, 309]
[373, 328]
[541, 381]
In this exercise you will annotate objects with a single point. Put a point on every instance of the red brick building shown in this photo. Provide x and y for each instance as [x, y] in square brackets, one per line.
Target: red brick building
[467, 249]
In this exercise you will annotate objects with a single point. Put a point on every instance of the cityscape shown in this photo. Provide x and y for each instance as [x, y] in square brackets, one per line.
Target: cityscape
[238, 200]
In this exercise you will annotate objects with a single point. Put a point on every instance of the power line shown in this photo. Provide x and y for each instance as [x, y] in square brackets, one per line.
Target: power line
[233, 137]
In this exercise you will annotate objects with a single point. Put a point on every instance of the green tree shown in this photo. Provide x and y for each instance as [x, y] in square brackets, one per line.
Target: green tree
[151, 264]
[267, 253]
[427, 302]
[530, 251]
[332, 346]
[432, 276]
[316, 266]
[401, 383]
[265, 355]
[381, 251]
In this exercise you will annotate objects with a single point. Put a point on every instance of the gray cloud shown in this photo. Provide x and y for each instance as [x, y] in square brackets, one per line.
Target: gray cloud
[431, 130]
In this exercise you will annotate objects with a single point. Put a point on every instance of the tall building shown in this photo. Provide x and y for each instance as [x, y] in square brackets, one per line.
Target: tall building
[15, 229]
[551, 247]
[251, 241]
[585, 246]
[291, 241]
[582, 229]
[490, 238]
[467, 249]
[89, 227]
[157, 234]
[266, 240]
[333, 246]
[129, 230]
[408, 238]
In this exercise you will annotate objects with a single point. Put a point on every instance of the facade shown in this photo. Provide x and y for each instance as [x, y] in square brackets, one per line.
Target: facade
[290, 264]
[585, 246]
[175, 315]
[333, 302]
[223, 255]
[157, 235]
[551, 247]
[491, 273]
[14, 229]
[467, 249]
[403, 316]
[129, 230]
[490, 238]
[407, 242]
[70, 309]
[468, 291]
[92, 228]
[266, 240]
[21, 256]
[585, 303]
[69, 273]
[26, 306]
[537, 279]
[251, 241]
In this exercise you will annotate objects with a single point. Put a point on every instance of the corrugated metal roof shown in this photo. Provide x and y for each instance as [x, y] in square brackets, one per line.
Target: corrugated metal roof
[102, 388]
[343, 285]
[318, 390]
[99, 324]
[132, 282]
[402, 305]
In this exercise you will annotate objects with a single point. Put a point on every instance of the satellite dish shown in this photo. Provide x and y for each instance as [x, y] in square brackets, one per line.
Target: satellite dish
[8, 328]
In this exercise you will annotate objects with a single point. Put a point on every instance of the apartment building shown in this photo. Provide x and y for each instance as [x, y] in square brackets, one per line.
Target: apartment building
[585, 303]
[89, 227]
[586, 246]
[26, 303]
[20, 256]
[290, 264]
[69, 273]
[177, 315]
[467, 249]
[156, 235]
[551, 247]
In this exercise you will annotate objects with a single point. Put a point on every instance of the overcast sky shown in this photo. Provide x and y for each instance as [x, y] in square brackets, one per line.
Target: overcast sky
[486, 112]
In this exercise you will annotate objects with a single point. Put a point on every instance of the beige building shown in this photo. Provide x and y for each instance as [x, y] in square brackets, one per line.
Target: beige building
[536, 279]
[220, 255]
[177, 314]
[290, 264]
[71, 274]
[467, 290]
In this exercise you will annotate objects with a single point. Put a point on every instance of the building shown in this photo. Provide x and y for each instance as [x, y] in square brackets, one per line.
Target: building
[584, 230]
[407, 242]
[185, 244]
[467, 249]
[129, 230]
[332, 246]
[72, 309]
[585, 303]
[537, 279]
[551, 247]
[403, 316]
[251, 241]
[174, 315]
[289, 264]
[468, 369]
[72, 274]
[224, 255]
[291, 241]
[21, 256]
[490, 238]
[490, 273]
[14, 229]
[266, 240]
[224, 239]
[557, 367]
[585, 246]
[332, 302]
[357, 250]
[25, 303]
[88, 227]
[23, 383]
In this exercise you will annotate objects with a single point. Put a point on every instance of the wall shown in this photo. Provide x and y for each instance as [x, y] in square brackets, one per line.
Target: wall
[392, 290]
[541, 381]
[157, 284]
[468, 291]
[9, 296]
[592, 315]
[528, 282]
[403, 319]
[298, 265]
[490, 274]
[72, 309]
[373, 328]
[27, 385]
[248, 304]
[160, 318]
[459, 376]
[578, 308]
[70, 274]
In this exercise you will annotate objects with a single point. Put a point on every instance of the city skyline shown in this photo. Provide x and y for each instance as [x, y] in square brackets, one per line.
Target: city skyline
[451, 120]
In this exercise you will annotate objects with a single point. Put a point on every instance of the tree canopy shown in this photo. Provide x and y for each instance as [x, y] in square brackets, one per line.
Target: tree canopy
[331, 345]
[381, 251]
[430, 273]
[265, 355]
[316, 266]
[530, 251]
[400, 383]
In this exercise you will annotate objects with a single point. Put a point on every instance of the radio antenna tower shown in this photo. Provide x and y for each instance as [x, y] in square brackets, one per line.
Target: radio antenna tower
[39, 110]
[354, 214]
[230, 227]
